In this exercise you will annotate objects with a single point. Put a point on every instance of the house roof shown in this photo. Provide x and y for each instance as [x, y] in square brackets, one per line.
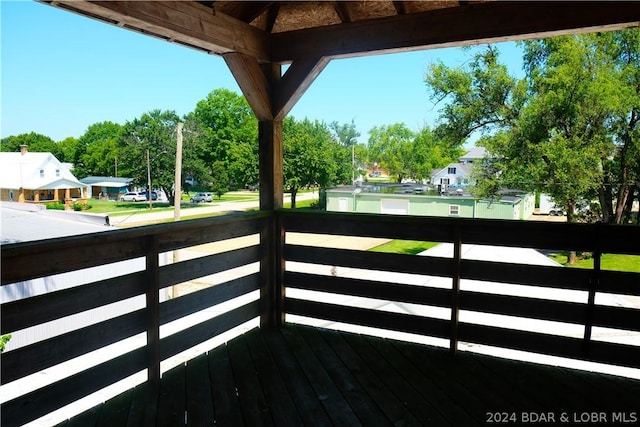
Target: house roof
[474, 153]
[23, 171]
[106, 181]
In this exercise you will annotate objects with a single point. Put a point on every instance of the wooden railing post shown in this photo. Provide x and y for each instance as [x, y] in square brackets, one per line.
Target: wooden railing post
[455, 289]
[594, 284]
[272, 271]
[153, 309]
[271, 237]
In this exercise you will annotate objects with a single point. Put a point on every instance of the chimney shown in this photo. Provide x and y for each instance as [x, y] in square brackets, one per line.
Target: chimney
[23, 149]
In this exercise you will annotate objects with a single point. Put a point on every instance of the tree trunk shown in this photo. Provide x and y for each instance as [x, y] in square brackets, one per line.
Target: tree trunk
[606, 202]
[621, 202]
[572, 258]
[294, 193]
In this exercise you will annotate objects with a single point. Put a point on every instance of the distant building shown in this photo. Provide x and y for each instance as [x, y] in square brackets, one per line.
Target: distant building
[454, 175]
[37, 177]
[405, 201]
[457, 174]
[475, 154]
[106, 187]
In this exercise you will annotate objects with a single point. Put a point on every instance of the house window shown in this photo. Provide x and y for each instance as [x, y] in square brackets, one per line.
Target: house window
[444, 181]
[454, 209]
[451, 171]
[41, 173]
[57, 172]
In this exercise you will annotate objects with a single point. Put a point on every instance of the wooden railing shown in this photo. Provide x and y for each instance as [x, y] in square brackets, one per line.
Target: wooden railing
[271, 254]
[586, 311]
[29, 261]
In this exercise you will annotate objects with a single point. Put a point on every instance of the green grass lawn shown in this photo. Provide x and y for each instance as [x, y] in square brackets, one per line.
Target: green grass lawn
[609, 262]
[301, 204]
[409, 247]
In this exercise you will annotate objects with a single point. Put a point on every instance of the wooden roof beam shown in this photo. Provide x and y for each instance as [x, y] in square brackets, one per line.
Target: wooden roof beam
[270, 95]
[189, 23]
[253, 82]
[295, 82]
[472, 24]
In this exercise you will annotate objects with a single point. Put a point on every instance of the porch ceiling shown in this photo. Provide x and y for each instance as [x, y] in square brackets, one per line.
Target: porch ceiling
[282, 32]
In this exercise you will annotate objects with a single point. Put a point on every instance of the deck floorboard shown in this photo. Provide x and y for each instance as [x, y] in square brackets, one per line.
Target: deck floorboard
[299, 375]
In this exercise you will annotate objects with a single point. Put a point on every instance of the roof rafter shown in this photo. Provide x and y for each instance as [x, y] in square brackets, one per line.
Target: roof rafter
[188, 23]
[472, 24]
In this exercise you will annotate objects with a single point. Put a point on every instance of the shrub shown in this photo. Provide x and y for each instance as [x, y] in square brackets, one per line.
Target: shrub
[3, 341]
[57, 206]
[81, 206]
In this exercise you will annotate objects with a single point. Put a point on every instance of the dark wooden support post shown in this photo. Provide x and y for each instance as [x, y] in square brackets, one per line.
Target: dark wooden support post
[272, 237]
[153, 309]
[594, 284]
[271, 96]
[455, 290]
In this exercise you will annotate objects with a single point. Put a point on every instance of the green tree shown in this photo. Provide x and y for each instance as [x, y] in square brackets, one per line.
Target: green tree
[311, 156]
[35, 142]
[480, 97]
[96, 152]
[4, 339]
[621, 49]
[347, 135]
[563, 131]
[571, 134]
[228, 133]
[428, 152]
[391, 147]
[152, 136]
[219, 179]
[67, 149]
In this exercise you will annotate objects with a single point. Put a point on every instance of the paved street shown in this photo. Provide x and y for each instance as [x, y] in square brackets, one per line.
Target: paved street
[139, 218]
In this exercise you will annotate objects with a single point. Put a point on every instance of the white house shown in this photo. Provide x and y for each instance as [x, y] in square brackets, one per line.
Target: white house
[457, 174]
[453, 175]
[36, 177]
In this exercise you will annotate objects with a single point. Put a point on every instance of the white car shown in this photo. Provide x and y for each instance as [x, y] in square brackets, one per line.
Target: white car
[133, 197]
[202, 197]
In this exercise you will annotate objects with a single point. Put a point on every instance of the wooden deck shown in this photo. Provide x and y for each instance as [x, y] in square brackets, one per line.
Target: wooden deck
[305, 376]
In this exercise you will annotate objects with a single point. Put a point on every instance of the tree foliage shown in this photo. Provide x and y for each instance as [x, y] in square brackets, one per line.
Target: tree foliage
[405, 154]
[228, 132]
[312, 157]
[390, 146]
[96, 152]
[568, 129]
[148, 144]
[219, 179]
[35, 142]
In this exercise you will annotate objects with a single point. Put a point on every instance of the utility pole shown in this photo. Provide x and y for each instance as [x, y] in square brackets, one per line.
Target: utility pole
[177, 196]
[149, 180]
[177, 187]
[353, 164]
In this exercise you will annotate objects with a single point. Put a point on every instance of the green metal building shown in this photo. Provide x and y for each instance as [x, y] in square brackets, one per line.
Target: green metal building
[455, 204]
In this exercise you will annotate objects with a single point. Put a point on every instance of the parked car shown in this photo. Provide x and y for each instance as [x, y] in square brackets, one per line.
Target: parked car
[202, 197]
[154, 195]
[556, 211]
[133, 196]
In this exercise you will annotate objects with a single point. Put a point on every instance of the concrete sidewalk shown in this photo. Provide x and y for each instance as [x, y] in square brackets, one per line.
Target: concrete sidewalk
[149, 217]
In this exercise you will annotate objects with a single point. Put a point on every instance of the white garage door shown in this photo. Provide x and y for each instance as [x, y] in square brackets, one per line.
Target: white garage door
[394, 207]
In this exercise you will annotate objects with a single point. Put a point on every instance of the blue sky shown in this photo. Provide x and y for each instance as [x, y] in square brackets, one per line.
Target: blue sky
[62, 72]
